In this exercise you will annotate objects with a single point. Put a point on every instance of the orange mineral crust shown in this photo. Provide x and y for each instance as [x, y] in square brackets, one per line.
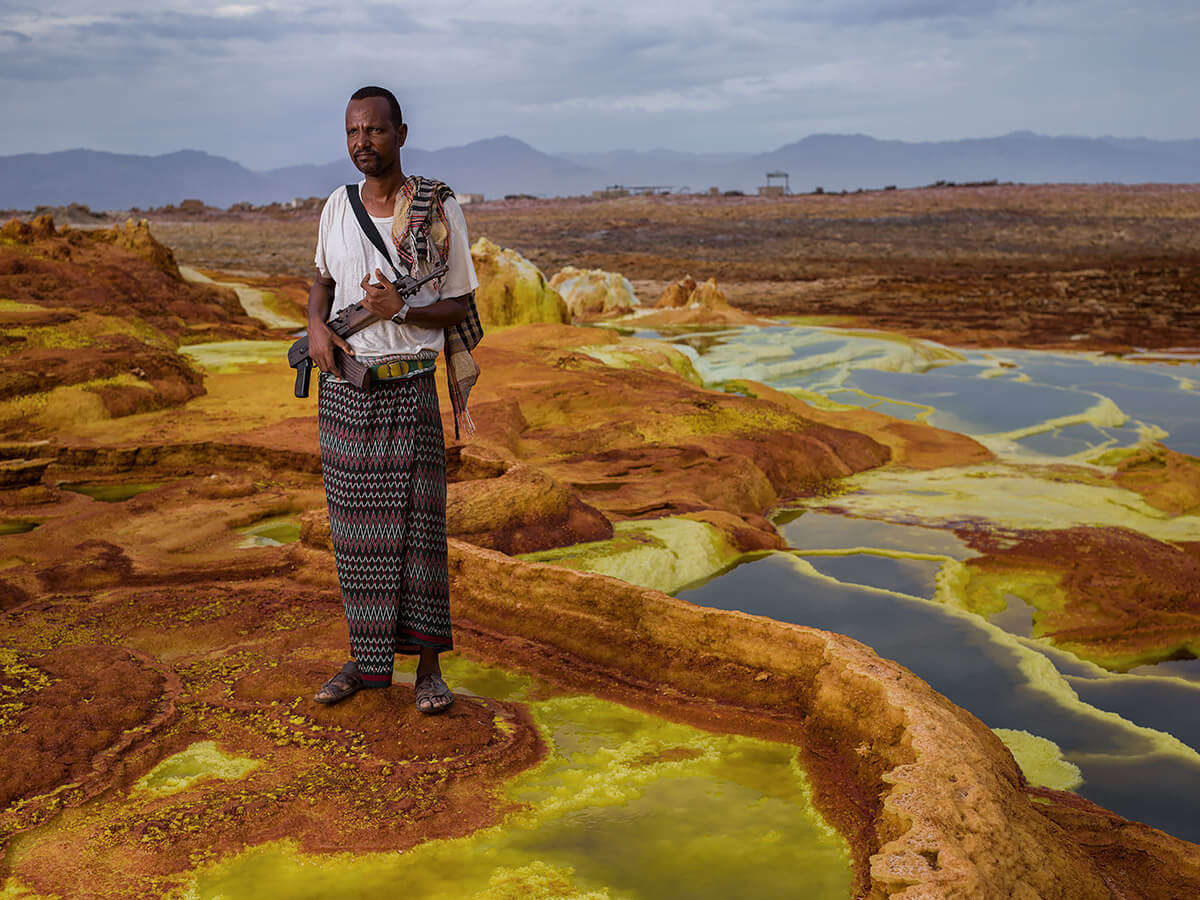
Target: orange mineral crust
[169, 605]
[1111, 595]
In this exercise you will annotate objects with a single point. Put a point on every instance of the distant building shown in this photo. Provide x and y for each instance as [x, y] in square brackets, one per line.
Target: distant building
[714, 192]
[192, 205]
[775, 190]
[621, 190]
[611, 192]
[465, 198]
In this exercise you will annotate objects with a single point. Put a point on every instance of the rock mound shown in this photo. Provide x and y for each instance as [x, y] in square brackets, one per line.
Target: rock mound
[137, 239]
[591, 293]
[512, 290]
[686, 293]
[521, 511]
[687, 303]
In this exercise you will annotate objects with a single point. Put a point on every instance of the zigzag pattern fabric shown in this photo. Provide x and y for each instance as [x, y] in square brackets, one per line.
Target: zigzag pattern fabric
[383, 459]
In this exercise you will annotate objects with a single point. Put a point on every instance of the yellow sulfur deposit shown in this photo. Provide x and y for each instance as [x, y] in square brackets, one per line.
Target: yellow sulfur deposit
[1041, 761]
[197, 763]
[663, 554]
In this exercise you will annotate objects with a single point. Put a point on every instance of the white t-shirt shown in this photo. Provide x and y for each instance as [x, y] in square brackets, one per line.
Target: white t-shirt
[345, 254]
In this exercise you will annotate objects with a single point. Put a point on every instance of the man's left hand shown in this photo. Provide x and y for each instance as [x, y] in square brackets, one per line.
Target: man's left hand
[381, 298]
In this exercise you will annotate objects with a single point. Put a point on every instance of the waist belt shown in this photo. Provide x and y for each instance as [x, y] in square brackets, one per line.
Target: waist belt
[401, 368]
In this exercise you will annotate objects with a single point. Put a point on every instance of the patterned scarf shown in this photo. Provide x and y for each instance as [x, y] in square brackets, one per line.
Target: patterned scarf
[421, 236]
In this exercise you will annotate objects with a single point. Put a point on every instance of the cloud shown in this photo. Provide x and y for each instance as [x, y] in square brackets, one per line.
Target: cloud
[264, 82]
[66, 44]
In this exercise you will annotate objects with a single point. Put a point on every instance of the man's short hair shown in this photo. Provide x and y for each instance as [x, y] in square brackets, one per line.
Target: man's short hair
[393, 104]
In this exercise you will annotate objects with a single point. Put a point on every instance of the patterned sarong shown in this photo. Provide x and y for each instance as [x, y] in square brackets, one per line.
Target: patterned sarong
[384, 464]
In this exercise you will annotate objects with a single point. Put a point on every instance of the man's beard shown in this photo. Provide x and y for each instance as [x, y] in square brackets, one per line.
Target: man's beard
[370, 164]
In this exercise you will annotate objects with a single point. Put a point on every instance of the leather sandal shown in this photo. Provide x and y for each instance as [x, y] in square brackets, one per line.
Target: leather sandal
[346, 682]
[432, 693]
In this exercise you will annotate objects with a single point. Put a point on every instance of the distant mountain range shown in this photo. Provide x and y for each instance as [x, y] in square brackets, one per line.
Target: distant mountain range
[505, 165]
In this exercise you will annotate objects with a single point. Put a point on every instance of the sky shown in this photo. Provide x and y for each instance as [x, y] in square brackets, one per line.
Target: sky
[266, 84]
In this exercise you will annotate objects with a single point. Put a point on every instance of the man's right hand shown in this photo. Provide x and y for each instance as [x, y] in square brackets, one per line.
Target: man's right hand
[321, 344]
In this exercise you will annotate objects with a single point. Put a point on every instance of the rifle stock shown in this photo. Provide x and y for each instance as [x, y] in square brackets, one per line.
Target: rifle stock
[347, 322]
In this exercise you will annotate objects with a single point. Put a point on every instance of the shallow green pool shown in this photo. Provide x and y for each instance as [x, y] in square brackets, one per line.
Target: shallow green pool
[110, 493]
[273, 532]
[17, 526]
[626, 805]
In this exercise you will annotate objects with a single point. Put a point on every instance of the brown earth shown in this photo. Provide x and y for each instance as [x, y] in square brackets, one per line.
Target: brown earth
[153, 597]
[1168, 480]
[1113, 595]
[1103, 267]
[99, 314]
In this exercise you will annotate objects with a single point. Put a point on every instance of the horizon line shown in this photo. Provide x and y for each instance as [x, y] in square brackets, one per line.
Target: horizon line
[658, 149]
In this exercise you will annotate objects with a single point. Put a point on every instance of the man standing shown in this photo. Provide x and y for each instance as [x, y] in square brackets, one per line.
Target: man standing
[382, 451]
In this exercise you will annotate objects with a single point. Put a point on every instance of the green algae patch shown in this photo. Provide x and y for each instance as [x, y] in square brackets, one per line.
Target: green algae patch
[438, 870]
[918, 412]
[626, 805]
[62, 407]
[1122, 660]
[273, 532]
[17, 526]
[633, 353]
[536, 881]
[662, 554]
[16, 306]
[992, 596]
[816, 321]
[1005, 496]
[18, 680]
[740, 420]
[81, 330]
[929, 351]
[13, 889]
[1113, 458]
[231, 357]
[990, 593]
[1103, 414]
[111, 493]
[1041, 760]
[484, 681]
[258, 304]
[197, 763]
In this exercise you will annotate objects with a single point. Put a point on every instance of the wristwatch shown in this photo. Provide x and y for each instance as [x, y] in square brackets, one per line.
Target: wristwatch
[399, 317]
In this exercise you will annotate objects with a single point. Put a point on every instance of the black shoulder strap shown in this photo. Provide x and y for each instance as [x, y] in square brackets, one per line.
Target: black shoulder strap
[368, 227]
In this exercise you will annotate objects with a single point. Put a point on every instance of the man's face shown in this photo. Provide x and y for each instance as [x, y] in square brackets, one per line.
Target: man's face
[372, 140]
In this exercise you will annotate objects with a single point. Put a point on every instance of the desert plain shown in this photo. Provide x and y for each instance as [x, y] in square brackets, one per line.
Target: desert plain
[170, 604]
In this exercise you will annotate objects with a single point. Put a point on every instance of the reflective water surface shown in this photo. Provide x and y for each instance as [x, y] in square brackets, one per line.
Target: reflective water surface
[867, 563]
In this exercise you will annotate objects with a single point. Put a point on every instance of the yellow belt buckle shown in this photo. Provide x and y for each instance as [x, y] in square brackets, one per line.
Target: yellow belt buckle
[399, 368]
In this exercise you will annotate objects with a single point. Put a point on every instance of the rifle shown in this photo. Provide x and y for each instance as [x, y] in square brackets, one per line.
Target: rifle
[347, 322]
